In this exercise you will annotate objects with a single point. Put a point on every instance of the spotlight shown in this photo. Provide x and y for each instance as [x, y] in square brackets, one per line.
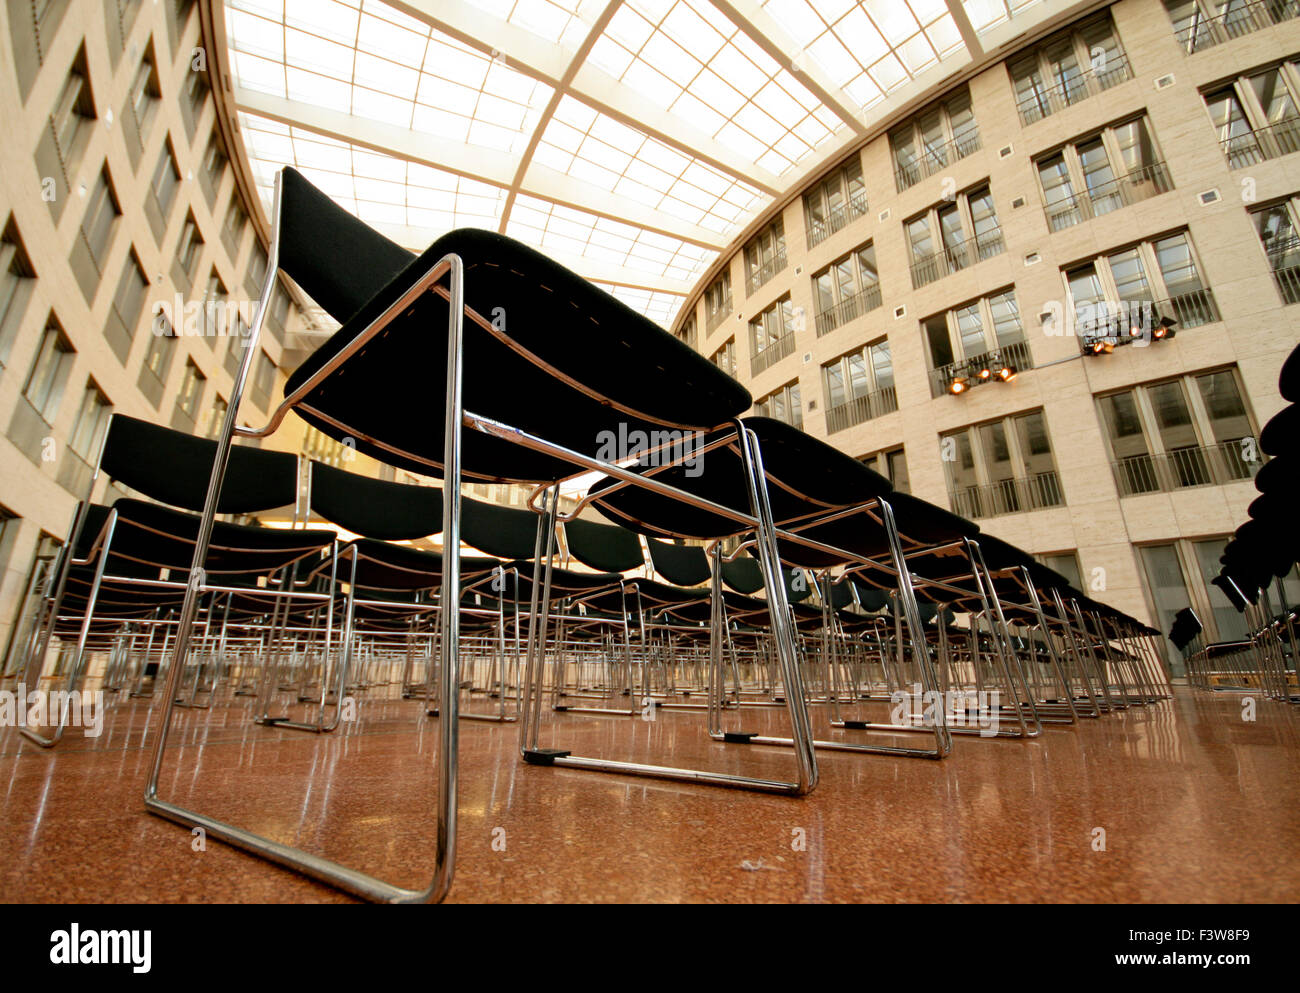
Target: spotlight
[1101, 346]
[1165, 329]
[1007, 373]
[959, 386]
[985, 374]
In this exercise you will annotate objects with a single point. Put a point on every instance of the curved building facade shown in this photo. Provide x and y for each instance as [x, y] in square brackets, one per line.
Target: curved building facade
[977, 299]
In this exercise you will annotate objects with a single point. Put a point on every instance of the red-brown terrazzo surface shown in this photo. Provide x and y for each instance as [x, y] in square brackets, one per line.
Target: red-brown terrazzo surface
[1197, 805]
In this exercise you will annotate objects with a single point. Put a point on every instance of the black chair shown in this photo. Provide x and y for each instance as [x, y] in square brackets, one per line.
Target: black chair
[541, 366]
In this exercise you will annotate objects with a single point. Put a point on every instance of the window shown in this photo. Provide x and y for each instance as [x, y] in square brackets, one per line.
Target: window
[725, 358]
[98, 226]
[934, 139]
[193, 99]
[263, 379]
[859, 386]
[771, 336]
[214, 166]
[764, 255]
[1070, 66]
[188, 252]
[1002, 467]
[256, 274]
[1201, 24]
[162, 346]
[141, 105]
[1255, 116]
[216, 416]
[119, 15]
[835, 202]
[191, 393]
[17, 280]
[953, 236]
[128, 303]
[49, 373]
[1137, 286]
[163, 187]
[92, 420]
[1179, 433]
[892, 465]
[232, 231]
[978, 333]
[32, 24]
[64, 139]
[1066, 563]
[686, 333]
[782, 405]
[1277, 226]
[846, 289]
[1101, 173]
[717, 301]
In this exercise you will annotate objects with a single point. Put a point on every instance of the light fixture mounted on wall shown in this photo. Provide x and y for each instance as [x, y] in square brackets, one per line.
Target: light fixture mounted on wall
[1160, 329]
[991, 370]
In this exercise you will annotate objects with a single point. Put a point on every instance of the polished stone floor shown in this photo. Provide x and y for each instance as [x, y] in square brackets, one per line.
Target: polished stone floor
[1195, 805]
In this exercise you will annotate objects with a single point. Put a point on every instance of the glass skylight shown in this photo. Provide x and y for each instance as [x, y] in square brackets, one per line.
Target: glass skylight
[689, 59]
[659, 307]
[612, 157]
[871, 48]
[568, 232]
[382, 190]
[987, 14]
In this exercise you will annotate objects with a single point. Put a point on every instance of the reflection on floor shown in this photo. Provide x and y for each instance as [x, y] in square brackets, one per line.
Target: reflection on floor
[1195, 803]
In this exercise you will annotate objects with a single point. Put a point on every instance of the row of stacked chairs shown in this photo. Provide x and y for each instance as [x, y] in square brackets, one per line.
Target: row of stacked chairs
[767, 571]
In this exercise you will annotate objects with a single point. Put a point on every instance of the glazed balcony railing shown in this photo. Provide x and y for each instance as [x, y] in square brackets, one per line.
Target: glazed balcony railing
[1262, 144]
[1141, 184]
[1045, 102]
[934, 160]
[863, 408]
[1014, 354]
[958, 256]
[821, 229]
[1008, 496]
[1182, 468]
[848, 309]
[772, 354]
[1241, 19]
[759, 275]
[712, 318]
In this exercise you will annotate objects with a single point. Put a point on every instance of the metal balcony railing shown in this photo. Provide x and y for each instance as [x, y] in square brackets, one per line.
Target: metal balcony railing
[1014, 354]
[1008, 496]
[1262, 144]
[1049, 100]
[819, 230]
[1241, 19]
[772, 354]
[848, 309]
[759, 275]
[1193, 307]
[1181, 468]
[933, 160]
[863, 408]
[1140, 184]
[958, 256]
[1284, 261]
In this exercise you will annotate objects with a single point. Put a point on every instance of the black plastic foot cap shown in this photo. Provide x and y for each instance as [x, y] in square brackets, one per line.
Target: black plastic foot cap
[544, 756]
[738, 737]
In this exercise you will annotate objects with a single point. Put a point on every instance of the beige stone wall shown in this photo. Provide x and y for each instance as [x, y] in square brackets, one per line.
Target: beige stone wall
[32, 490]
[1255, 334]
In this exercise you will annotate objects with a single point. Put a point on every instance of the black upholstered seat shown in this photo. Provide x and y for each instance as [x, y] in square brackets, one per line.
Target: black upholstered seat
[565, 360]
[1281, 435]
[603, 547]
[375, 508]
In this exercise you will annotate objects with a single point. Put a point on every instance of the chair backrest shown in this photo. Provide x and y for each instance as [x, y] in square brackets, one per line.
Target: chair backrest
[604, 547]
[338, 259]
[375, 508]
[1185, 628]
[681, 565]
[744, 575]
[174, 468]
[506, 532]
